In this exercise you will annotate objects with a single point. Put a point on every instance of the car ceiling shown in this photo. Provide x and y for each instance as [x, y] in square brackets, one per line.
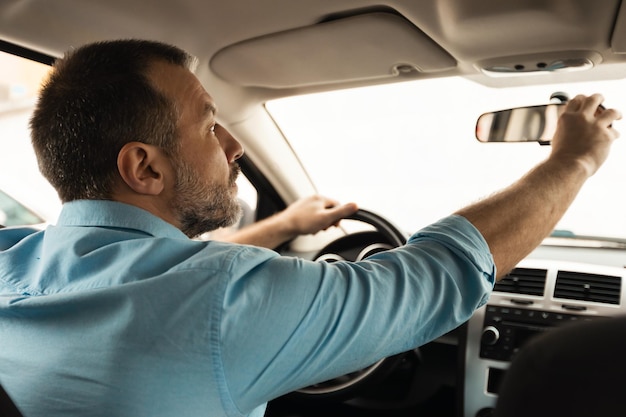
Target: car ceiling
[254, 50]
[251, 51]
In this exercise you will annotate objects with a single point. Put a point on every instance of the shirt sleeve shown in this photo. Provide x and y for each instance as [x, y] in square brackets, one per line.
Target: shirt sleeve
[289, 323]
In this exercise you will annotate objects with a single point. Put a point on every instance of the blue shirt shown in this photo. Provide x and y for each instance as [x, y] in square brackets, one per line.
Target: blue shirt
[114, 312]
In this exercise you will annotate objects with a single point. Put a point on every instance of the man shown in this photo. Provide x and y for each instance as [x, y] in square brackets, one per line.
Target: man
[115, 311]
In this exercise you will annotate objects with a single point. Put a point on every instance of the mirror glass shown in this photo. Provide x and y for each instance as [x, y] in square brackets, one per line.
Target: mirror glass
[521, 124]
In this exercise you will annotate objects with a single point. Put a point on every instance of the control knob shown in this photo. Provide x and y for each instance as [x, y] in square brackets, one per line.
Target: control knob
[490, 336]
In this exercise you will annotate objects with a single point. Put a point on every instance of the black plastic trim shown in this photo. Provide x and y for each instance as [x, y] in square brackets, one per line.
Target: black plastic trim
[18, 50]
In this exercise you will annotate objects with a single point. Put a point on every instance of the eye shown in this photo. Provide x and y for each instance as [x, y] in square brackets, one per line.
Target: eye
[212, 128]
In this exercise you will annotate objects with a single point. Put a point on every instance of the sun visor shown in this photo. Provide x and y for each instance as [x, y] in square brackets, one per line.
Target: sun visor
[367, 46]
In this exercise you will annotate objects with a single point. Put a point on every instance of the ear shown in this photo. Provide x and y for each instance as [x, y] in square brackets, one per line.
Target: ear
[142, 167]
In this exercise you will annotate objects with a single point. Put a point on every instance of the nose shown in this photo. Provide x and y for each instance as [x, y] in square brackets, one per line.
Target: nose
[232, 148]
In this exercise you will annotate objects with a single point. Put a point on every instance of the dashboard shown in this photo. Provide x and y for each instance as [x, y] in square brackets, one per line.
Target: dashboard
[563, 281]
[553, 287]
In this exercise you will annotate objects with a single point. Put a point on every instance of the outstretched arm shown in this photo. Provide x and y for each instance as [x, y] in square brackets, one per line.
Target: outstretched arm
[308, 215]
[516, 220]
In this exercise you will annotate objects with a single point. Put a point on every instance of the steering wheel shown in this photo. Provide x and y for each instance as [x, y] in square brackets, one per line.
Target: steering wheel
[391, 233]
[354, 247]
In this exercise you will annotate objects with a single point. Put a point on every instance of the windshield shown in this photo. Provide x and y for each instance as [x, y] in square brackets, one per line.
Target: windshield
[408, 151]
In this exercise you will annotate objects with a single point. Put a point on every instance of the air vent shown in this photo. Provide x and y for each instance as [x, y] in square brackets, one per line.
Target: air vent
[588, 287]
[523, 281]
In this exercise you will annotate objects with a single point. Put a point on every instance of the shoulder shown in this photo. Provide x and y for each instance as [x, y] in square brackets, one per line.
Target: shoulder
[10, 236]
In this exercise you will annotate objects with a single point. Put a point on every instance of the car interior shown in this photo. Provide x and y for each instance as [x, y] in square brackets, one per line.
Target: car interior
[410, 109]
[560, 370]
[7, 406]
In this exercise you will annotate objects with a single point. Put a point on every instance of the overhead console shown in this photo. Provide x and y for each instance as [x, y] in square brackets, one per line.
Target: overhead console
[536, 297]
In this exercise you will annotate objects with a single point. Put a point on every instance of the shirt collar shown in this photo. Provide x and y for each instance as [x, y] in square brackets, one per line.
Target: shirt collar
[105, 213]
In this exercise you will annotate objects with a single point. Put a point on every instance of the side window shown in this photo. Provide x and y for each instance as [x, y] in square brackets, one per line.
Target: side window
[26, 198]
[12, 213]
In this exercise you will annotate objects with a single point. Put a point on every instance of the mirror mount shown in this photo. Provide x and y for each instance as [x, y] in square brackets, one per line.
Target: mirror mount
[559, 97]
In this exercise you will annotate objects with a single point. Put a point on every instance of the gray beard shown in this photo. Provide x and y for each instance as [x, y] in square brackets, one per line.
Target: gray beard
[202, 207]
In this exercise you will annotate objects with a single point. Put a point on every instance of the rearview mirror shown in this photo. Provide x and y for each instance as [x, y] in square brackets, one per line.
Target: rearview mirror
[521, 124]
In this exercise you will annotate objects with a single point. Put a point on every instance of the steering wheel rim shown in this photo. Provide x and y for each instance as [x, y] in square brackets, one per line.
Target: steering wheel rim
[344, 386]
[385, 227]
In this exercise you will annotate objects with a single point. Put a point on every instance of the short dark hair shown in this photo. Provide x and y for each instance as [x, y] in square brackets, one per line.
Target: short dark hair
[98, 98]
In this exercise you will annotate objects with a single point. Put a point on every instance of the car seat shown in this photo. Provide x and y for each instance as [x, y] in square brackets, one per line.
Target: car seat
[575, 370]
[7, 406]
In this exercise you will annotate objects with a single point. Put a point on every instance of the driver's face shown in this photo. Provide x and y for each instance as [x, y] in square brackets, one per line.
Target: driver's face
[205, 192]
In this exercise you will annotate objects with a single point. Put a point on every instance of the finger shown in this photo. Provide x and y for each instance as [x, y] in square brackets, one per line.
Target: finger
[575, 103]
[608, 119]
[608, 116]
[341, 211]
[591, 103]
[330, 203]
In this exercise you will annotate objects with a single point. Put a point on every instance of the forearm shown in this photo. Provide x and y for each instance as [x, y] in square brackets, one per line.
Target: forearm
[306, 216]
[268, 233]
[516, 220]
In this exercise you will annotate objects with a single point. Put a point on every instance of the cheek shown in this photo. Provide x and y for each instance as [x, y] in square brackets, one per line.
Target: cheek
[210, 162]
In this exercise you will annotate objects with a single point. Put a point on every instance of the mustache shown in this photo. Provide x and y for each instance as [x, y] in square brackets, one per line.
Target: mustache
[235, 170]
